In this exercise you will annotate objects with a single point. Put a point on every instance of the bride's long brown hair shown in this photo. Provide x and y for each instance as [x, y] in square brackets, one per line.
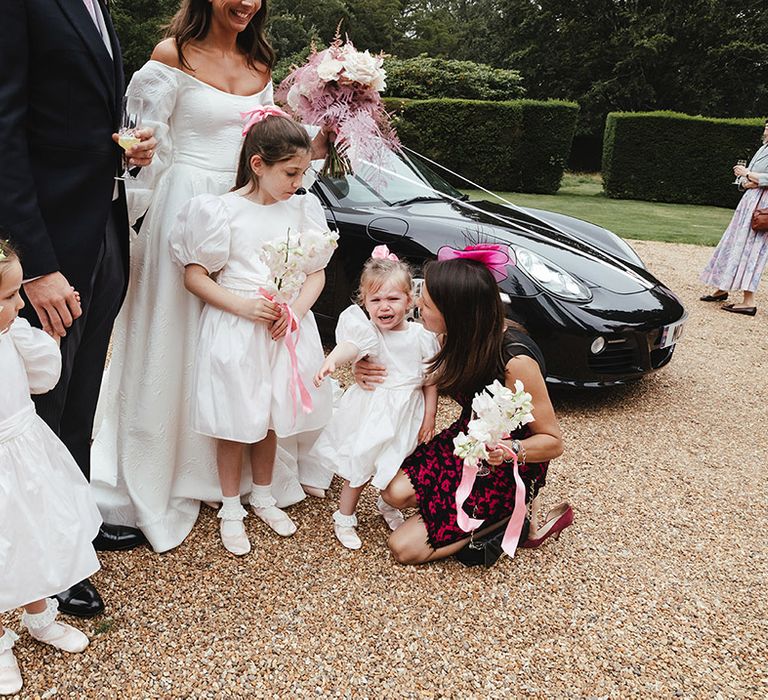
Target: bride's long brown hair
[467, 296]
[192, 22]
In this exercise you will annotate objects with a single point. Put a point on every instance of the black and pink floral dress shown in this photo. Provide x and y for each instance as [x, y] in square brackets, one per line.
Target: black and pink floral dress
[435, 471]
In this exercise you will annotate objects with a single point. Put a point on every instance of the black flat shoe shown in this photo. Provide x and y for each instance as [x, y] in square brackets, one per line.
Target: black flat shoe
[714, 297]
[116, 538]
[746, 310]
[81, 600]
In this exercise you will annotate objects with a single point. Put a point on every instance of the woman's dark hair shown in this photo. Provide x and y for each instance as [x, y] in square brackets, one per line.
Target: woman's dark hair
[467, 296]
[8, 253]
[193, 20]
[275, 139]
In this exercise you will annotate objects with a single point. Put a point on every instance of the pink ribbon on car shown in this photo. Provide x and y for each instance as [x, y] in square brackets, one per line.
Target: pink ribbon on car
[296, 384]
[516, 520]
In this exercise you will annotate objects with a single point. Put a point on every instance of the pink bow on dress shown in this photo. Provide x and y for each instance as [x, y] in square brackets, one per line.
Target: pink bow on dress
[257, 114]
[381, 252]
[494, 256]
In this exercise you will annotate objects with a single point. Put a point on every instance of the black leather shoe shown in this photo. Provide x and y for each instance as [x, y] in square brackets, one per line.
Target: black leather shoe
[81, 600]
[116, 538]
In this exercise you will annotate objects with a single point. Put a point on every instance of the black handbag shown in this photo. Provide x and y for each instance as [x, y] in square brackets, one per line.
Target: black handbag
[486, 550]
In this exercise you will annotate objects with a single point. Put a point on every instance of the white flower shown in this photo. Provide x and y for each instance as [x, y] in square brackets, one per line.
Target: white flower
[469, 449]
[329, 68]
[364, 68]
[482, 403]
[292, 98]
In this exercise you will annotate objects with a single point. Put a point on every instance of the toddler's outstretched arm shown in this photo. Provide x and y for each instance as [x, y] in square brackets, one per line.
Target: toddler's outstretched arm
[197, 281]
[341, 354]
[427, 429]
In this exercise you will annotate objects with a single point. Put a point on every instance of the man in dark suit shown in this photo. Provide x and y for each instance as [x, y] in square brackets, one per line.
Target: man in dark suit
[61, 88]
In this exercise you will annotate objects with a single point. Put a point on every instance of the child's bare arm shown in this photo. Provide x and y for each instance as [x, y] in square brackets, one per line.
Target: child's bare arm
[427, 430]
[344, 352]
[197, 281]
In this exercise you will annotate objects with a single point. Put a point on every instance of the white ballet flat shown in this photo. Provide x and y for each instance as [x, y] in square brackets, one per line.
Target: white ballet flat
[344, 527]
[44, 628]
[233, 537]
[62, 636]
[313, 491]
[277, 519]
[10, 675]
[392, 516]
[212, 504]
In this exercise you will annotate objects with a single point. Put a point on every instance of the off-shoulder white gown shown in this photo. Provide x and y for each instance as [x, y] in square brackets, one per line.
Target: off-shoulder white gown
[149, 469]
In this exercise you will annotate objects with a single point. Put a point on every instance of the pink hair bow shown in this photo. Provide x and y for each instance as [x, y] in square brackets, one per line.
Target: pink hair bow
[257, 114]
[381, 252]
[494, 256]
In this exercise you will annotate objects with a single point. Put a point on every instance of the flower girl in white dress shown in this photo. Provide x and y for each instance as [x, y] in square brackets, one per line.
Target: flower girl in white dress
[255, 355]
[372, 432]
[48, 517]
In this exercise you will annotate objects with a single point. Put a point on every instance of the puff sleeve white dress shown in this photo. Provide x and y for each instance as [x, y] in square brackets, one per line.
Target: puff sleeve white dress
[48, 516]
[372, 432]
[241, 377]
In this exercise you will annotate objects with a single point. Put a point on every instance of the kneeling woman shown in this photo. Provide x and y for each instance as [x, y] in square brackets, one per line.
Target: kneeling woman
[460, 301]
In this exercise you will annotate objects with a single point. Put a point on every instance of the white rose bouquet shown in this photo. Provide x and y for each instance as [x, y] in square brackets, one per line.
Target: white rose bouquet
[339, 89]
[497, 412]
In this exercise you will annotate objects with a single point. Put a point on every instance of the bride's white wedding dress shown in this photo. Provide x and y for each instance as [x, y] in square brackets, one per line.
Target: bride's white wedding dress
[149, 469]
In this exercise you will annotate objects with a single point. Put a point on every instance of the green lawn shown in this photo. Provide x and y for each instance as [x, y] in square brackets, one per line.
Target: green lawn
[581, 195]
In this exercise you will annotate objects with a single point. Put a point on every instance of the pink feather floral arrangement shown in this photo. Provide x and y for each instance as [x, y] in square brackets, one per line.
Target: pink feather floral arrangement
[340, 89]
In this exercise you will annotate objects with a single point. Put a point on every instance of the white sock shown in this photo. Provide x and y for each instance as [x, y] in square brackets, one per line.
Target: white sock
[261, 496]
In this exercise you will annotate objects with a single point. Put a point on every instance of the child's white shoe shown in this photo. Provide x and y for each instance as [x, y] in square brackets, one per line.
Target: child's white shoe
[231, 527]
[10, 676]
[264, 507]
[344, 527]
[393, 517]
[44, 628]
[277, 519]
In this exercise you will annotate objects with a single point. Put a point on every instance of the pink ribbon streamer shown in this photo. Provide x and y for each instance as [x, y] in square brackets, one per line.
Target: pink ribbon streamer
[516, 520]
[468, 476]
[296, 384]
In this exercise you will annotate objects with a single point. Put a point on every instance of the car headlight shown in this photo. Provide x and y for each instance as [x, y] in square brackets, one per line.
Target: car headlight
[550, 276]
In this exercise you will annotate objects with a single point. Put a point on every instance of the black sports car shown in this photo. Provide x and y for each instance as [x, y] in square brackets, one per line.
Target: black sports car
[582, 293]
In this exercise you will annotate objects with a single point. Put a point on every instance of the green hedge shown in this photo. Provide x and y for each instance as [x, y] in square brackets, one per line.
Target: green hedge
[673, 157]
[425, 77]
[513, 146]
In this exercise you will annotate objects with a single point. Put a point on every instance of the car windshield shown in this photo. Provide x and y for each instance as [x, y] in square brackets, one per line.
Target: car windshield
[398, 178]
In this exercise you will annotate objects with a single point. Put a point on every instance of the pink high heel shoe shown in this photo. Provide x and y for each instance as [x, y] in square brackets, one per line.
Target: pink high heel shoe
[557, 520]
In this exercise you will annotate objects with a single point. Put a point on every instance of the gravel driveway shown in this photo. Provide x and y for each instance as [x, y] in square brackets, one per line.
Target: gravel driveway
[658, 590]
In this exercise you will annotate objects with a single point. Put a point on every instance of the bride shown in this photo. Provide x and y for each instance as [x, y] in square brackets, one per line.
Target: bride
[149, 469]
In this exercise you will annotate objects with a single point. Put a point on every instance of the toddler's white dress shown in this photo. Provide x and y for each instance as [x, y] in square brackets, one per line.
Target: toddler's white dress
[241, 377]
[372, 432]
[48, 517]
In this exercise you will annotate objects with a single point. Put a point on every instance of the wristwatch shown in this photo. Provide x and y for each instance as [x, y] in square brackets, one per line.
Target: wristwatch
[515, 447]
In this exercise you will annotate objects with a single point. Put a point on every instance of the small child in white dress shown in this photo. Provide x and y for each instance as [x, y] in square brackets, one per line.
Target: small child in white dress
[256, 334]
[48, 517]
[372, 432]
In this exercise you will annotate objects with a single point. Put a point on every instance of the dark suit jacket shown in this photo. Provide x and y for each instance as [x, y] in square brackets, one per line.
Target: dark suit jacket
[60, 96]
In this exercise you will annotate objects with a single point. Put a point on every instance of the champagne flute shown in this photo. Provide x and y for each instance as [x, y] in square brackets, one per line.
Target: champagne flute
[737, 181]
[129, 125]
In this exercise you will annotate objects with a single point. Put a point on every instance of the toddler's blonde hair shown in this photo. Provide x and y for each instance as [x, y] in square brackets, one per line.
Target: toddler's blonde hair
[378, 271]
